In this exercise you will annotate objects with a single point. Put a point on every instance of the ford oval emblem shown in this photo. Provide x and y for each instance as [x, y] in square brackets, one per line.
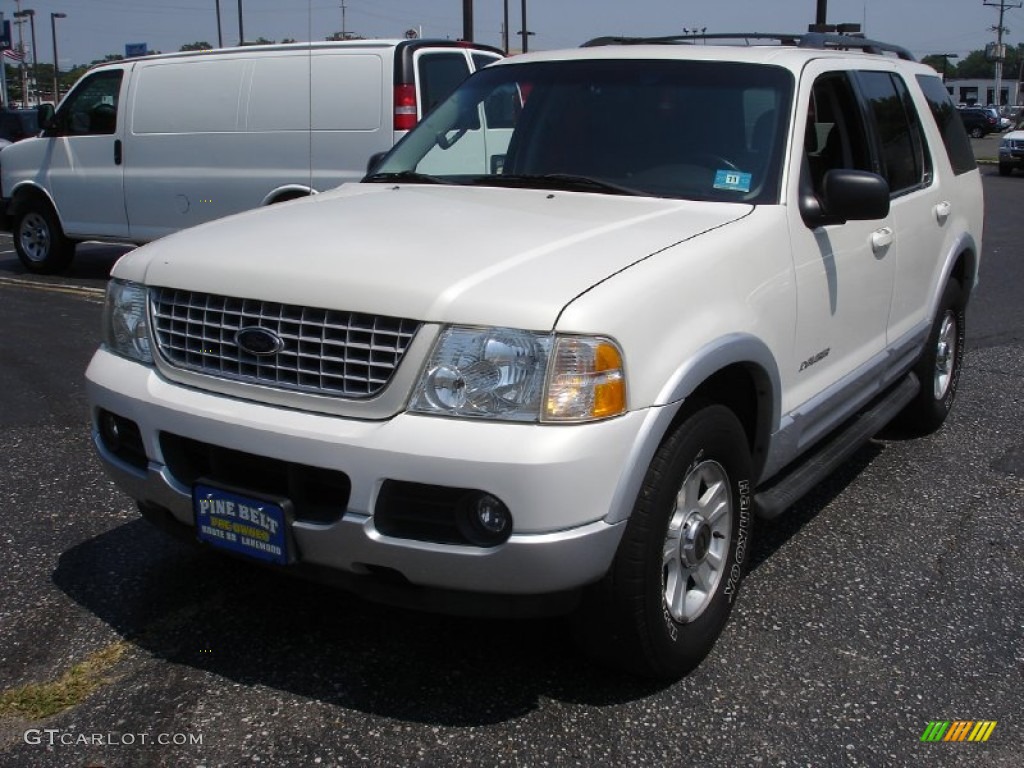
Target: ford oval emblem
[258, 341]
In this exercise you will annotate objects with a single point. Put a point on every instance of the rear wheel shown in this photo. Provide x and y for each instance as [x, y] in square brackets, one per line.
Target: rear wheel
[683, 554]
[39, 240]
[977, 133]
[1005, 169]
[939, 367]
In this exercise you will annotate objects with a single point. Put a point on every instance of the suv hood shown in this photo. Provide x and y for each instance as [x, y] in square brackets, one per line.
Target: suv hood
[505, 257]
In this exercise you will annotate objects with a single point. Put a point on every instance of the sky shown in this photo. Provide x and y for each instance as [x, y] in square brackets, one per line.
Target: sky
[95, 28]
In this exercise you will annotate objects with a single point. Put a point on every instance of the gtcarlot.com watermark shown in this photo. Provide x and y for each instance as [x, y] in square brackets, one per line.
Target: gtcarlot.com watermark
[54, 737]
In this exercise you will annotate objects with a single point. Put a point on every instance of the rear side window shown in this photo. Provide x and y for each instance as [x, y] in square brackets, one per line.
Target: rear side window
[906, 164]
[954, 137]
[440, 74]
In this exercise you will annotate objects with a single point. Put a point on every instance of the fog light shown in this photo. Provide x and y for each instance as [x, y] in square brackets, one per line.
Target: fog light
[483, 519]
[110, 431]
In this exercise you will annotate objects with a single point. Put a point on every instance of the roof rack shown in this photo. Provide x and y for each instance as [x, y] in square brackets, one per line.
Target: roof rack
[816, 40]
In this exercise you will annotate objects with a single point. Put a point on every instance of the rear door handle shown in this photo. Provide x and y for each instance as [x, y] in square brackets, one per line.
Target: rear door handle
[942, 211]
[117, 151]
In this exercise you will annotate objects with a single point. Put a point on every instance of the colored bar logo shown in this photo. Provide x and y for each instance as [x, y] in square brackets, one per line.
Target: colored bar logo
[958, 730]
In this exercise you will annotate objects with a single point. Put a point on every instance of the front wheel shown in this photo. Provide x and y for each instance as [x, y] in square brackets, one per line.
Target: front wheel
[39, 240]
[683, 554]
[939, 367]
[977, 133]
[1005, 169]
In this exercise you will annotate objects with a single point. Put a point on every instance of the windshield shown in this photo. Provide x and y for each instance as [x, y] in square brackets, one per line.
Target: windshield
[694, 130]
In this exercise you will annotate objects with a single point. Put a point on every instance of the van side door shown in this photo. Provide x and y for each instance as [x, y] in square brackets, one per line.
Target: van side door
[84, 165]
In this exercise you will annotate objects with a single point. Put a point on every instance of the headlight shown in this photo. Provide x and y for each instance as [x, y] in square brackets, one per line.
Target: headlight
[126, 328]
[503, 373]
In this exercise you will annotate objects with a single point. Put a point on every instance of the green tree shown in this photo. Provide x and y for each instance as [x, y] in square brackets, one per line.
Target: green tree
[197, 46]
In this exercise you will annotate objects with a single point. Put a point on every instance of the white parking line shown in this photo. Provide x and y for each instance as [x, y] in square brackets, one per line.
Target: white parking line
[94, 294]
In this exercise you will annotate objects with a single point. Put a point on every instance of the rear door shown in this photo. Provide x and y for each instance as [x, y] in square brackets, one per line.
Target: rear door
[83, 166]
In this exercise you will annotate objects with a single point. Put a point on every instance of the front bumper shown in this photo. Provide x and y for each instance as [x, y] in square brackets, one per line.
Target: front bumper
[560, 482]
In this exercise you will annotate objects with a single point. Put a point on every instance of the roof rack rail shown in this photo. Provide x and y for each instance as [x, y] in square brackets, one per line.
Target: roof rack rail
[816, 40]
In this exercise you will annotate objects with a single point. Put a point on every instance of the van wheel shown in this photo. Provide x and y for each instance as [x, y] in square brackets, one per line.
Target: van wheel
[665, 600]
[39, 240]
[1005, 169]
[939, 367]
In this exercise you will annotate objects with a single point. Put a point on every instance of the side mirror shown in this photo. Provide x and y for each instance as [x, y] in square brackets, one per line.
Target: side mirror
[45, 113]
[374, 161]
[846, 196]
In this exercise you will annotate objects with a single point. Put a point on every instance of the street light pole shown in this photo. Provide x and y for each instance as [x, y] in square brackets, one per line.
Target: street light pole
[504, 30]
[56, 59]
[31, 14]
[220, 35]
[241, 31]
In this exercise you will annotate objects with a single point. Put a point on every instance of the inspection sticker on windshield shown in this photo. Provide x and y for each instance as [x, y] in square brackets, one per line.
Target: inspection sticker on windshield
[735, 181]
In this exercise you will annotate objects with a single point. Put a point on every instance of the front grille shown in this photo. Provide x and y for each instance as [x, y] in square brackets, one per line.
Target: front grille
[323, 351]
[317, 495]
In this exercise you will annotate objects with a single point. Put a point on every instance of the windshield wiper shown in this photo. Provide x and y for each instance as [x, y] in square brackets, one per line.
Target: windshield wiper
[413, 176]
[565, 181]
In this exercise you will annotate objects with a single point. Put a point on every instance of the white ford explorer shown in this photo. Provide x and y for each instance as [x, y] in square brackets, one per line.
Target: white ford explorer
[597, 312]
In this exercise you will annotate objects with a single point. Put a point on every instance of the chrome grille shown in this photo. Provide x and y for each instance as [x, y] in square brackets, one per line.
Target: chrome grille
[324, 351]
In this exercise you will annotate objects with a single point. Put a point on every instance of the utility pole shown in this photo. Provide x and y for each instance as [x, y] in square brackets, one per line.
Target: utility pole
[344, 27]
[20, 21]
[467, 20]
[822, 12]
[1000, 52]
[220, 34]
[525, 32]
[241, 30]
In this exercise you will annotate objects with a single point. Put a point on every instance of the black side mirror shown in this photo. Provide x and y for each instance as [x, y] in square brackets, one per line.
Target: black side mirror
[846, 196]
[374, 161]
[45, 113]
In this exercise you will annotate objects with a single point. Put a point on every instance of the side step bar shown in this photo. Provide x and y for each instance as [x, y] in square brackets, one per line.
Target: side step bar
[783, 492]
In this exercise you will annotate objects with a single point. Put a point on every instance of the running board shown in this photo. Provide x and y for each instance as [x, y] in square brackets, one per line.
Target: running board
[782, 493]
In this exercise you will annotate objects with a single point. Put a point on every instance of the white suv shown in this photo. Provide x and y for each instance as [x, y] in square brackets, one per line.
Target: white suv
[567, 340]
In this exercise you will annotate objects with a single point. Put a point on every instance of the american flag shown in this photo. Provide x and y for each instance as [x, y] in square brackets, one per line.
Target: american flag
[11, 53]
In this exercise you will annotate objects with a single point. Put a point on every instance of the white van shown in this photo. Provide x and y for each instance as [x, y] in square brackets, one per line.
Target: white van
[144, 147]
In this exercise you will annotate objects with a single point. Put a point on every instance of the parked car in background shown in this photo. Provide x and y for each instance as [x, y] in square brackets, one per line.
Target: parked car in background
[18, 124]
[144, 147]
[979, 121]
[1011, 152]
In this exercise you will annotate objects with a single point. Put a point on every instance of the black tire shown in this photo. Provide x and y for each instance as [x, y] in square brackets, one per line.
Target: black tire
[39, 240]
[977, 133]
[939, 367]
[1005, 170]
[627, 621]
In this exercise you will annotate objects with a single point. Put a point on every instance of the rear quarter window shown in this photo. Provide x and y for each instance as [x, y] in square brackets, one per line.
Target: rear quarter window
[951, 127]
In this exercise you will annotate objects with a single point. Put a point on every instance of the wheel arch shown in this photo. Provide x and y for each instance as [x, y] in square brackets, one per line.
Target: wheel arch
[738, 372]
[286, 193]
[28, 191]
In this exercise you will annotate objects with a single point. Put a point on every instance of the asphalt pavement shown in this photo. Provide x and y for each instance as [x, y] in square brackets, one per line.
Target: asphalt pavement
[889, 598]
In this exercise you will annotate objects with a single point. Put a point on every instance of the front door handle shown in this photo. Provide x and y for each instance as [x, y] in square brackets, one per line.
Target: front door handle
[881, 238]
[117, 151]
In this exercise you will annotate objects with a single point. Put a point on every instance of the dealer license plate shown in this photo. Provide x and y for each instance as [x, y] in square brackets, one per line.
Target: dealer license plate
[247, 524]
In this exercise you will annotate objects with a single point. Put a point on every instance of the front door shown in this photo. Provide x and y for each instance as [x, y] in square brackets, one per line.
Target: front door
[83, 165]
[844, 272]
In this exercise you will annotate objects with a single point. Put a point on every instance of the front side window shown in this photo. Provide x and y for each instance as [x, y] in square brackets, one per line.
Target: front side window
[693, 130]
[835, 137]
[91, 109]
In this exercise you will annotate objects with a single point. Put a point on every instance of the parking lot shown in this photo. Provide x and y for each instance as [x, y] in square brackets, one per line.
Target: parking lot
[888, 598]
